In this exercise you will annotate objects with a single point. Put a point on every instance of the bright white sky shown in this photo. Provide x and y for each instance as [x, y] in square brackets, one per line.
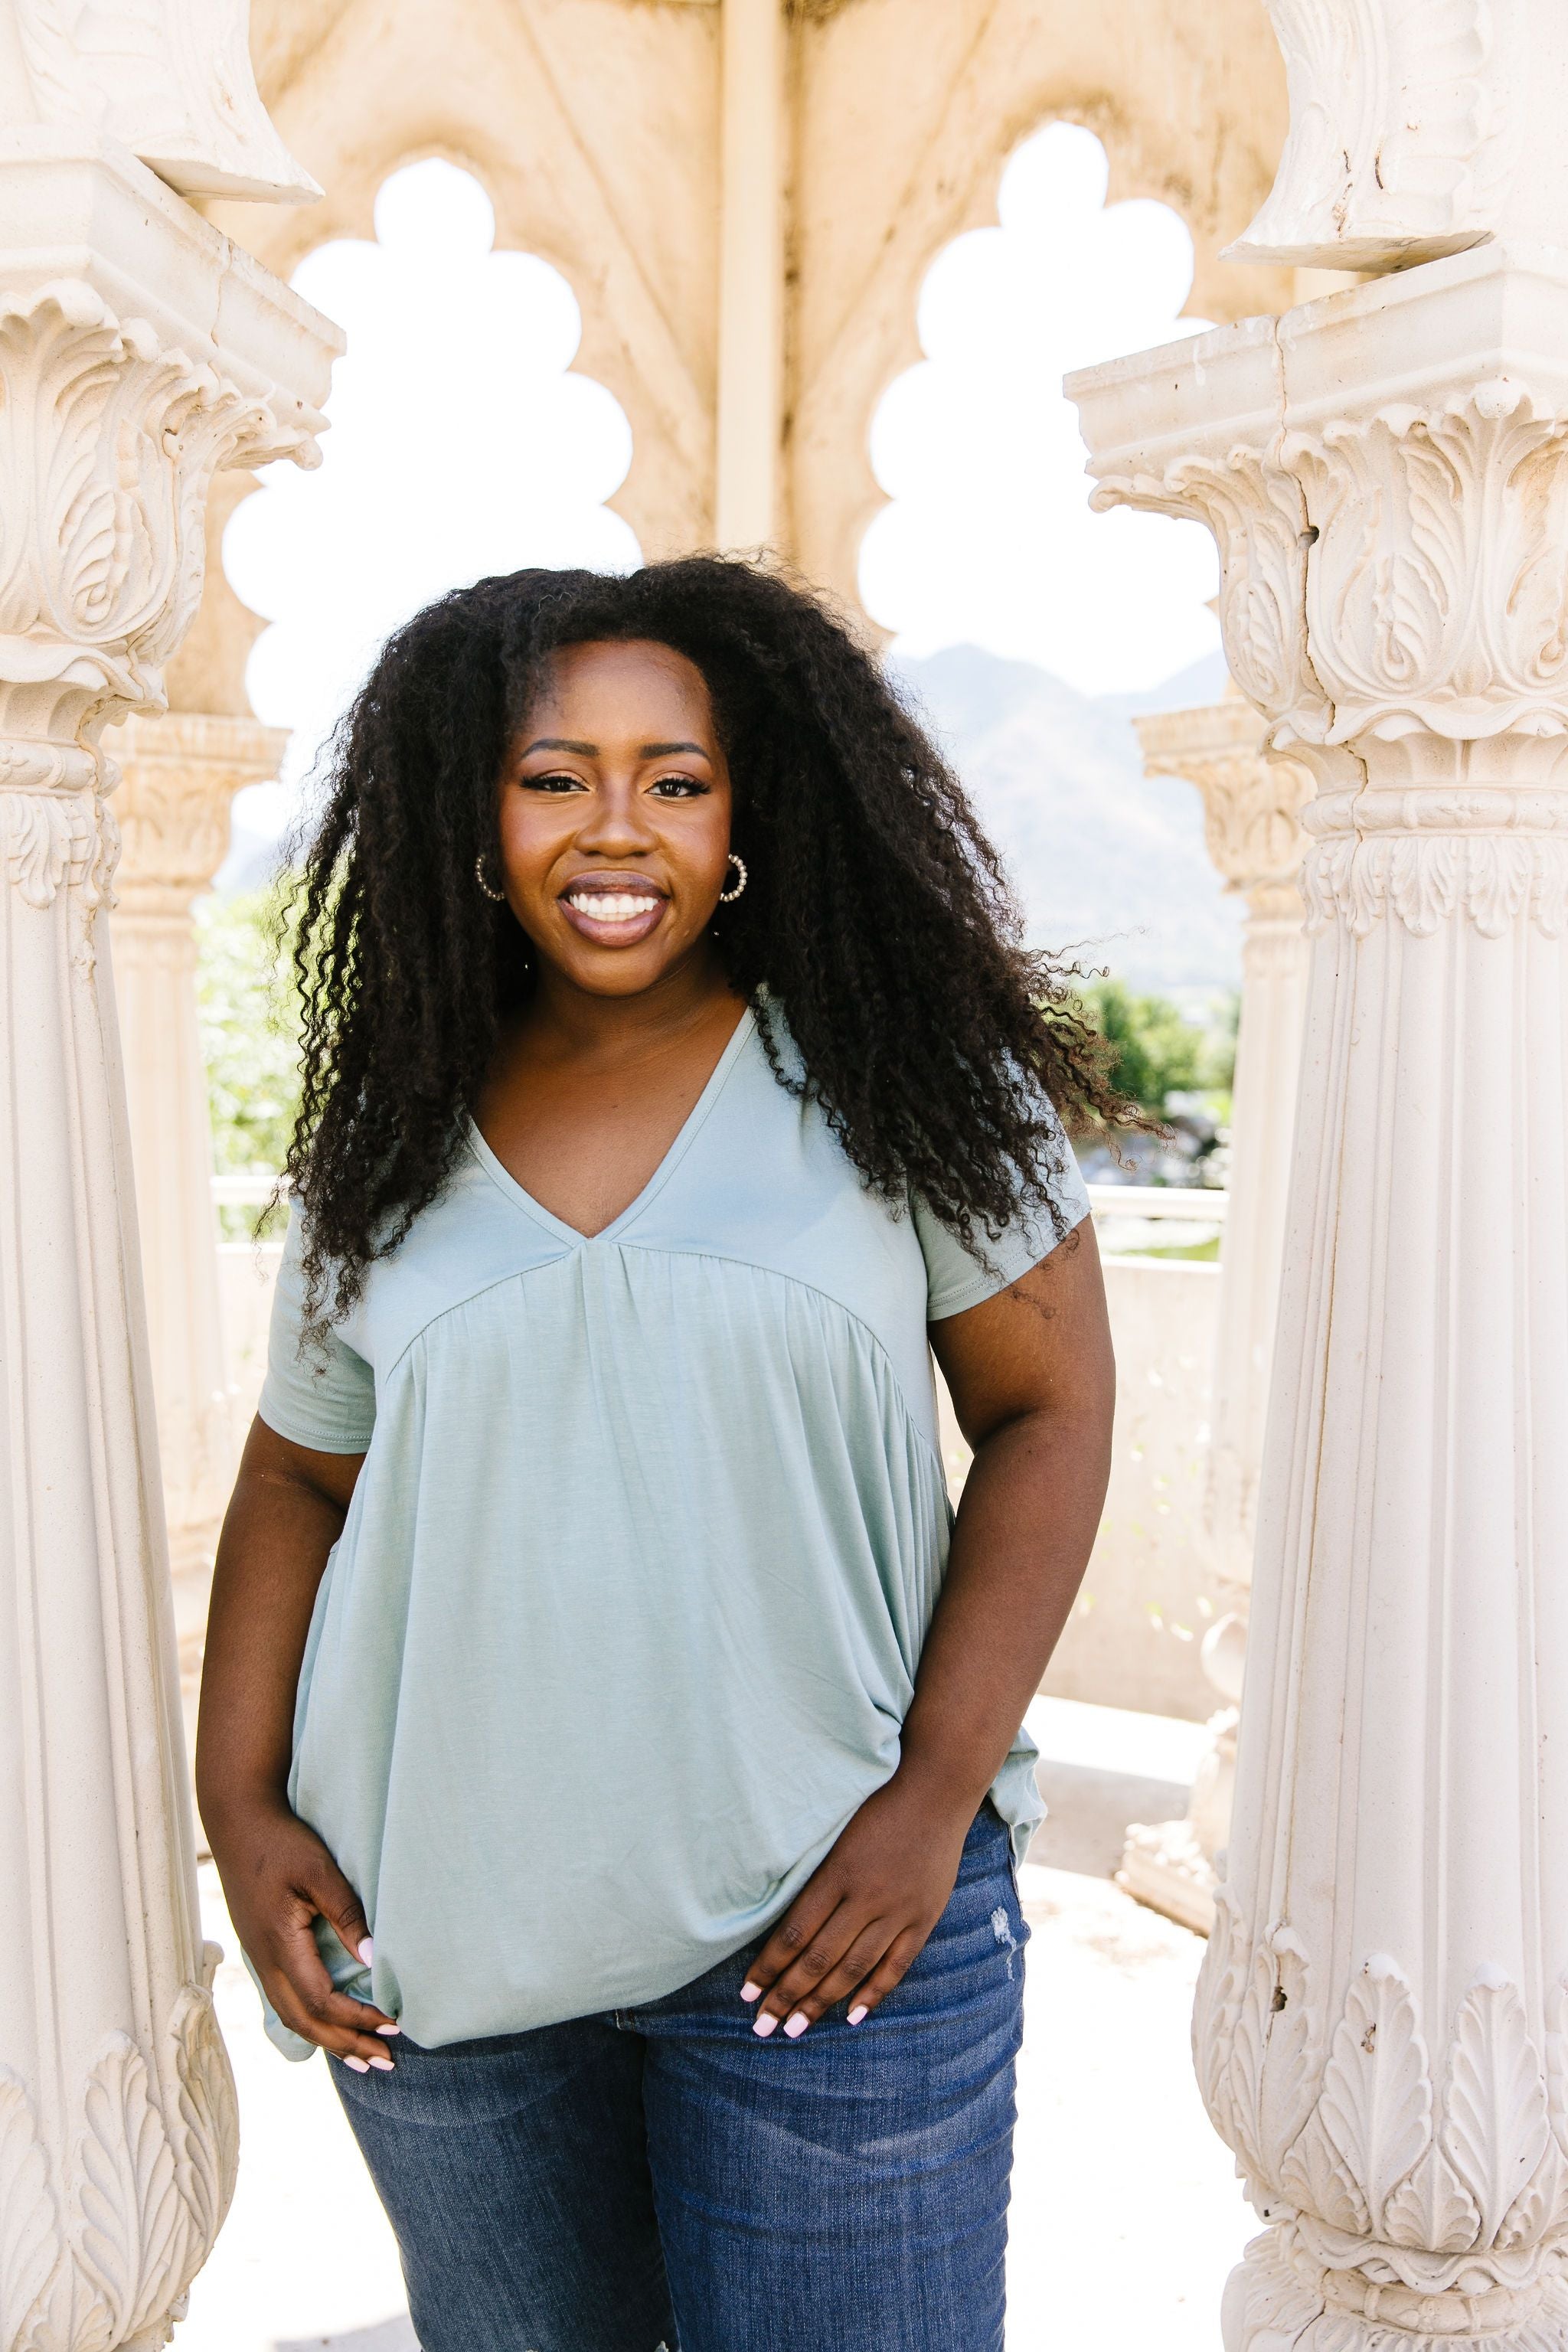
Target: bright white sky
[462, 444]
[990, 540]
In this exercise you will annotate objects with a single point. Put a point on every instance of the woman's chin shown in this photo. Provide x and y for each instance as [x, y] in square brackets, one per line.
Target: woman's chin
[628, 970]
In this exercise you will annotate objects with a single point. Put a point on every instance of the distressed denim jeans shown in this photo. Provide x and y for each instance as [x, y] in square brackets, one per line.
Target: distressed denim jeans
[659, 2176]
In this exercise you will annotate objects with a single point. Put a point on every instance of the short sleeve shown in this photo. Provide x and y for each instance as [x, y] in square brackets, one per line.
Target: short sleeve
[957, 1277]
[321, 1394]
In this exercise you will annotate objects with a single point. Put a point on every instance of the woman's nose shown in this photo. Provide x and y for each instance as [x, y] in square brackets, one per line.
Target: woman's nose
[616, 823]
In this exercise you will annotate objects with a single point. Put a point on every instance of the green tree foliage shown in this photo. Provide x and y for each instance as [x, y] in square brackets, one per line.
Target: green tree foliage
[250, 1033]
[1157, 1052]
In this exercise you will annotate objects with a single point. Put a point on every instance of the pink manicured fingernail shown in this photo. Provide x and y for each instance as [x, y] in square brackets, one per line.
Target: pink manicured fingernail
[360, 2065]
[389, 2029]
[765, 2024]
[795, 2026]
[750, 1992]
[367, 1951]
[382, 2066]
[856, 2013]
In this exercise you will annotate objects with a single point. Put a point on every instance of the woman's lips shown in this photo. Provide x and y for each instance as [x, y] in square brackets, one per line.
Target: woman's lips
[617, 915]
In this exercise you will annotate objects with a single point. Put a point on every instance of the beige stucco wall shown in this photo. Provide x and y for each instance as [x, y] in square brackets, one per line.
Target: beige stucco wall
[595, 127]
[1151, 1593]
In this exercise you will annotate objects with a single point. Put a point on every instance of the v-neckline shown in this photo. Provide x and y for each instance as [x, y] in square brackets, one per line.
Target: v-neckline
[685, 1135]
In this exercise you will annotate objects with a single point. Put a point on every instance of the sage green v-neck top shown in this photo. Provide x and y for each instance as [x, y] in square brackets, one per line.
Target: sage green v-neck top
[625, 1613]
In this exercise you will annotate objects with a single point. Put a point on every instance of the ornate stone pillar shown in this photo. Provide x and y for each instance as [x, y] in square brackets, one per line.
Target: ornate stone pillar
[178, 774]
[1251, 822]
[139, 352]
[1381, 2027]
[754, 172]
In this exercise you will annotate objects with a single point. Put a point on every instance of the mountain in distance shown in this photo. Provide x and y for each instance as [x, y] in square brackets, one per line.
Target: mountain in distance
[1102, 858]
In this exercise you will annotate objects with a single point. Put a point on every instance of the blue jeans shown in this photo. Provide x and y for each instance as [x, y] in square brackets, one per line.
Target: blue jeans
[659, 2176]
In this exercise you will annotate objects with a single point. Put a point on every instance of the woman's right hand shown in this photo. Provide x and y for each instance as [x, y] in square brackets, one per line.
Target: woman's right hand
[287, 1513]
[279, 1877]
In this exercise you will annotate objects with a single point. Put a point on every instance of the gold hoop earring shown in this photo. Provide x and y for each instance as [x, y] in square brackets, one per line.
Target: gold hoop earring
[483, 880]
[727, 897]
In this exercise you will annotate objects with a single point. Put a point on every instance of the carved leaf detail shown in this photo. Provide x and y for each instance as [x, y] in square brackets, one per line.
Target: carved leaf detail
[1245, 2063]
[1315, 2176]
[1293, 2057]
[134, 2226]
[1268, 2306]
[44, 838]
[1557, 2063]
[1424, 880]
[1376, 2103]
[1538, 2207]
[111, 441]
[208, 2136]
[1433, 2209]
[27, 2210]
[1260, 2071]
[1222, 1982]
[1494, 2110]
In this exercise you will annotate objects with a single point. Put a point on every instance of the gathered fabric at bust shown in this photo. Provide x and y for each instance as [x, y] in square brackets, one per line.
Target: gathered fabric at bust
[624, 1617]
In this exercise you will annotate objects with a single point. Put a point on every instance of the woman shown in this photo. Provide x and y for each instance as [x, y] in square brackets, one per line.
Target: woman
[586, 1623]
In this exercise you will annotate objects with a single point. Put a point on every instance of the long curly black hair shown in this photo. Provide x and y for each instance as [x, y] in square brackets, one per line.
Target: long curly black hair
[877, 918]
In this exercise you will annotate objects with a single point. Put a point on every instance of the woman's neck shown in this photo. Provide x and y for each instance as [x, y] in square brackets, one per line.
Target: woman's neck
[565, 1023]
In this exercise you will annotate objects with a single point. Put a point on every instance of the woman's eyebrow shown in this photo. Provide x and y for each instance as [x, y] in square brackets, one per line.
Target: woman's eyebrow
[561, 743]
[664, 751]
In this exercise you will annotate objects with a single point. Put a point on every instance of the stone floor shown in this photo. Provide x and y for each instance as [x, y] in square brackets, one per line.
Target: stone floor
[1126, 2215]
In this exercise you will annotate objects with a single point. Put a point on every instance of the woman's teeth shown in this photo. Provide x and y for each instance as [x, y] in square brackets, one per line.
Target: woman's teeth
[610, 907]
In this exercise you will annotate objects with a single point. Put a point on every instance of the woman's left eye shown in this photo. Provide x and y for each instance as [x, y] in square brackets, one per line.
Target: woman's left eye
[678, 788]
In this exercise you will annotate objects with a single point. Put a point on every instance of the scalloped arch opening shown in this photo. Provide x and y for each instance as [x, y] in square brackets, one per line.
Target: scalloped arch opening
[987, 537]
[463, 441]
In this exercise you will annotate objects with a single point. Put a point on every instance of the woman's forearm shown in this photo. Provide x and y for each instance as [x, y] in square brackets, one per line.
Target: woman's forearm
[279, 1877]
[281, 1526]
[1026, 1527]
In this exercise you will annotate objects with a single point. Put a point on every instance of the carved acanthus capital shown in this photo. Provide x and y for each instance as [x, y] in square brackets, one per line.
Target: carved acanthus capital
[1252, 803]
[178, 773]
[1392, 593]
[108, 441]
[1258, 519]
[111, 427]
[169, 80]
[1436, 601]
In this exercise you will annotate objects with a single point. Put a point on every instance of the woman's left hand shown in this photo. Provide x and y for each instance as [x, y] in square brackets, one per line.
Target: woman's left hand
[861, 1918]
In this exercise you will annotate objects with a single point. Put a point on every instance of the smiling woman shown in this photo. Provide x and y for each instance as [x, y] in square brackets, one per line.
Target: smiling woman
[590, 1627]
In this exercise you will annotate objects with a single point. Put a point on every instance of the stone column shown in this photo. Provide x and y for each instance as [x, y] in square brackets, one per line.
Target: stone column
[1251, 822]
[138, 353]
[1382, 2026]
[752, 171]
[178, 774]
